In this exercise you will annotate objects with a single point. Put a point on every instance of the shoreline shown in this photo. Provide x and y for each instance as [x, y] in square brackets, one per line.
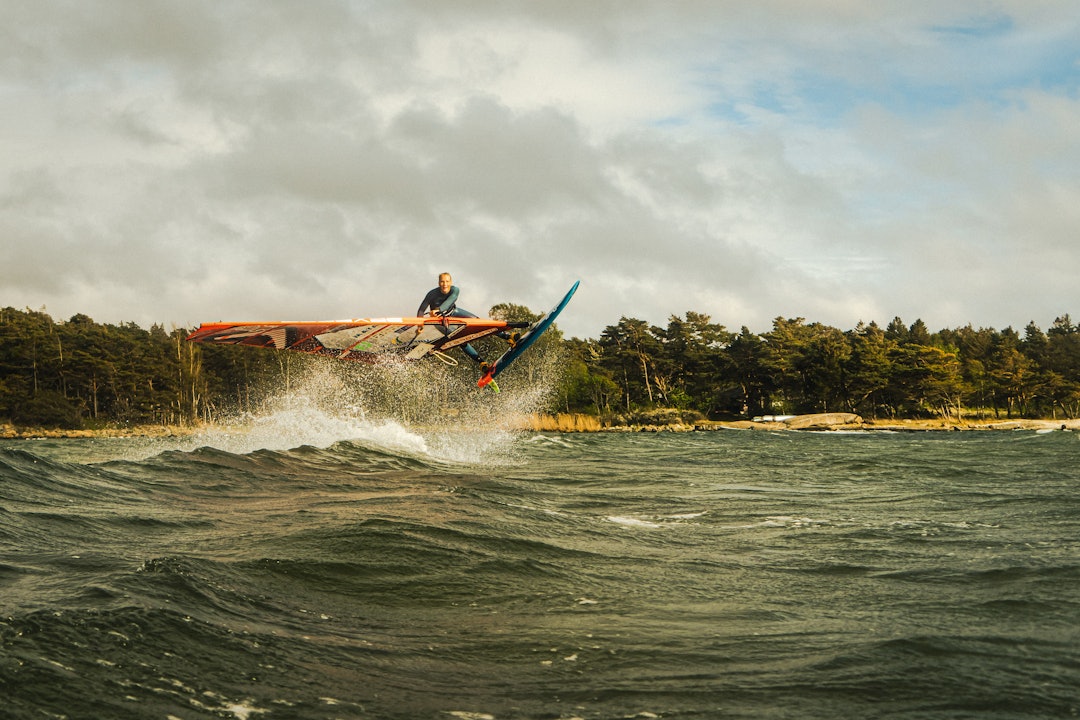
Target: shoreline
[570, 423]
[12, 432]
[837, 422]
[915, 425]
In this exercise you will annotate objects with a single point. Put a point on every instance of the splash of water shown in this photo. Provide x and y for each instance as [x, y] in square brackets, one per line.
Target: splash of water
[420, 409]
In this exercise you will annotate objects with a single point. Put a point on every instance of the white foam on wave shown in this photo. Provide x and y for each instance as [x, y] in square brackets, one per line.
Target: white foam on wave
[689, 516]
[549, 440]
[632, 522]
[286, 428]
[660, 521]
[784, 521]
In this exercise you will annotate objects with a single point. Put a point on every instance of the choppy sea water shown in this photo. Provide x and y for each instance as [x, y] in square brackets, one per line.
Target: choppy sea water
[370, 570]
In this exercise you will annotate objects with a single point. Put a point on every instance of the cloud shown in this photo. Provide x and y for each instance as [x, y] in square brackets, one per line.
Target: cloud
[838, 161]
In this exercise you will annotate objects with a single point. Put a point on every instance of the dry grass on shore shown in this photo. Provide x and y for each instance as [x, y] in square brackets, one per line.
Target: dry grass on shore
[563, 422]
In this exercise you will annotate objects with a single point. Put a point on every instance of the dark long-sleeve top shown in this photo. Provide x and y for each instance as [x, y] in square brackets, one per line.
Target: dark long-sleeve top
[436, 300]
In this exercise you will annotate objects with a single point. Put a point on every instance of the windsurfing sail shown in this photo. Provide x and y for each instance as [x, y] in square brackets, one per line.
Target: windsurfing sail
[373, 340]
[367, 340]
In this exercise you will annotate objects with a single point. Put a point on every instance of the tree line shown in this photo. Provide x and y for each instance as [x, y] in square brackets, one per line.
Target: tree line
[899, 371]
[79, 373]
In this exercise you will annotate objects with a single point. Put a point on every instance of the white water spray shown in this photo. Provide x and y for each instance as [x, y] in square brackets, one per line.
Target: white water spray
[421, 409]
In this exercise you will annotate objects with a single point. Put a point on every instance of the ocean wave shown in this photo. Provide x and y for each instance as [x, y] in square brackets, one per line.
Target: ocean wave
[518, 577]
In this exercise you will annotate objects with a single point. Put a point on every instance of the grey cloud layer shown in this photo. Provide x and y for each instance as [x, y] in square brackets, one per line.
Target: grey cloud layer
[183, 162]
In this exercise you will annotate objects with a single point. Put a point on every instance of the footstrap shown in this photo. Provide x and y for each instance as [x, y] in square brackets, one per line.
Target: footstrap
[443, 357]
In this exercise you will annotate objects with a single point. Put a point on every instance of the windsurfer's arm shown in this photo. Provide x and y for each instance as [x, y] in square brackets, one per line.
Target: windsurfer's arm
[426, 303]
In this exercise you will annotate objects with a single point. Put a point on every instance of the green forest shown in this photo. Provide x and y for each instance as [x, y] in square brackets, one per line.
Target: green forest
[82, 374]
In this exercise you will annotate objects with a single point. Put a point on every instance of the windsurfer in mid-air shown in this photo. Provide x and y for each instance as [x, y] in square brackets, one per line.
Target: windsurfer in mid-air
[442, 302]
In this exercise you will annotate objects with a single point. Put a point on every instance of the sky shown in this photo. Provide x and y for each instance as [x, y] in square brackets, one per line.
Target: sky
[843, 161]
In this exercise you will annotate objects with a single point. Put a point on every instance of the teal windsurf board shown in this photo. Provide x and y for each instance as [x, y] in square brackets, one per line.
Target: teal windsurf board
[526, 340]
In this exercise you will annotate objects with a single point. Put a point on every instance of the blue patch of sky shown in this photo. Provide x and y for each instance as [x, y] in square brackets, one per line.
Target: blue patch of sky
[727, 110]
[982, 27]
[766, 96]
[983, 61]
[1005, 61]
[1061, 69]
[828, 99]
[671, 121]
